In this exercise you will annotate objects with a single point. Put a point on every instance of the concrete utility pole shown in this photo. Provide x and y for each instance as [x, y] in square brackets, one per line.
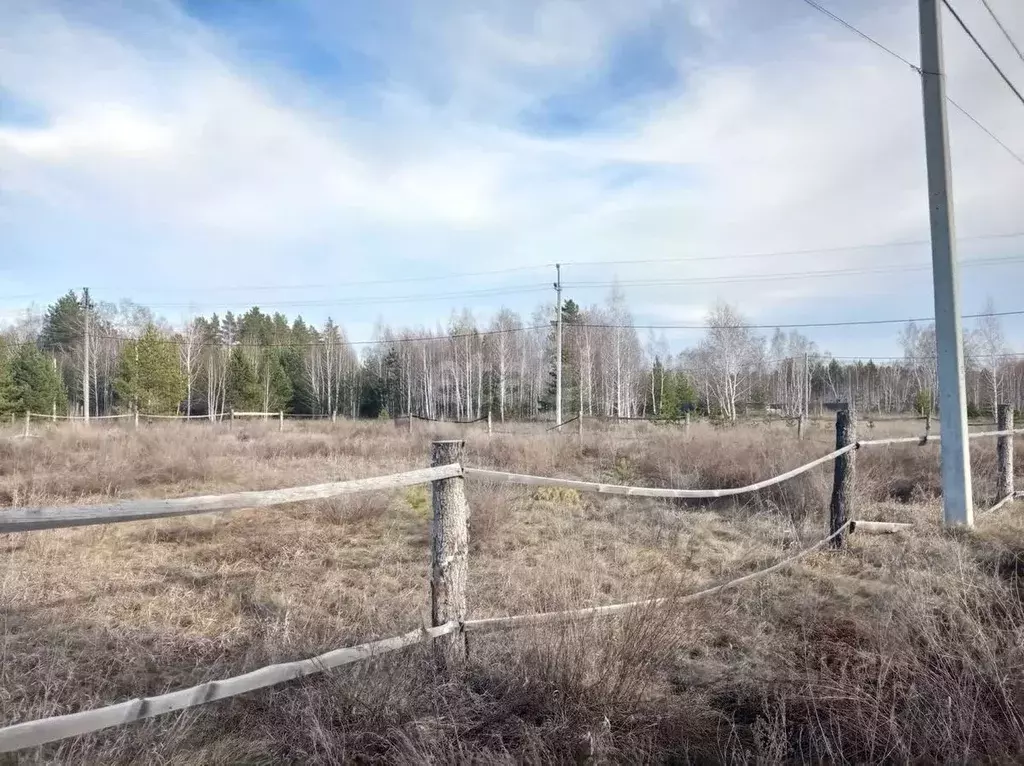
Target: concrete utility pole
[956, 464]
[558, 350]
[85, 359]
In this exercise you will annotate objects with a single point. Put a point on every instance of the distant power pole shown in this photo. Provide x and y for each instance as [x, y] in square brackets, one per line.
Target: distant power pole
[558, 350]
[807, 388]
[85, 359]
[956, 462]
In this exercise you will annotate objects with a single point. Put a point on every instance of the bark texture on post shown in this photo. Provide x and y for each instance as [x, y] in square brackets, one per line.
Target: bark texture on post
[800, 426]
[579, 426]
[489, 425]
[280, 421]
[1004, 451]
[231, 423]
[842, 482]
[136, 418]
[28, 419]
[53, 417]
[449, 548]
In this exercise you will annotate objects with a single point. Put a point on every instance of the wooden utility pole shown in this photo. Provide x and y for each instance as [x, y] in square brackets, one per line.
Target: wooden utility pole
[449, 548]
[85, 358]
[807, 388]
[842, 481]
[957, 503]
[558, 344]
[1004, 451]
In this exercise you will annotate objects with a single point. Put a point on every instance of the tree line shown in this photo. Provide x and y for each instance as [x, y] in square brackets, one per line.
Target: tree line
[469, 367]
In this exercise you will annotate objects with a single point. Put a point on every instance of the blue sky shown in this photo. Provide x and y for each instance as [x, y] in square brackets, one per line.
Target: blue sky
[210, 155]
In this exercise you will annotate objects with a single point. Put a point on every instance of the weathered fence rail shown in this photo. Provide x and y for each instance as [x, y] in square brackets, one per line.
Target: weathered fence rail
[617, 489]
[28, 519]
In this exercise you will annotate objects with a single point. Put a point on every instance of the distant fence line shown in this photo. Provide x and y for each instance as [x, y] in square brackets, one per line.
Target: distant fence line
[449, 563]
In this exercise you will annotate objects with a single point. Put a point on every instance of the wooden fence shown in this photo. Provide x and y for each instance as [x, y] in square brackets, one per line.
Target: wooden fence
[449, 568]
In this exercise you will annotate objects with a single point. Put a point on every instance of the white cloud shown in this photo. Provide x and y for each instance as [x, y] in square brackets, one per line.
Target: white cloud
[814, 141]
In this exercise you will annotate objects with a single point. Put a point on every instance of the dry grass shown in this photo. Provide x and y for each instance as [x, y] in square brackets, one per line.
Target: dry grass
[899, 649]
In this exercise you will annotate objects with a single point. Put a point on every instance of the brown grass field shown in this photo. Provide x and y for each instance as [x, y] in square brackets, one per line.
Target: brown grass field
[901, 648]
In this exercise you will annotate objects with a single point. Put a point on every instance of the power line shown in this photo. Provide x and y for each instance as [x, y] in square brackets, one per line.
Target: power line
[785, 276]
[862, 34]
[529, 288]
[321, 285]
[984, 52]
[990, 134]
[587, 325]
[1002, 29]
[917, 69]
[783, 253]
[378, 299]
[798, 325]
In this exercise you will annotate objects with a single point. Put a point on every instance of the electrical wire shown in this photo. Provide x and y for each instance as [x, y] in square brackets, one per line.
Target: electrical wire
[381, 299]
[482, 291]
[917, 69]
[862, 34]
[784, 253]
[357, 283]
[587, 325]
[990, 134]
[785, 276]
[984, 52]
[796, 325]
[1003, 29]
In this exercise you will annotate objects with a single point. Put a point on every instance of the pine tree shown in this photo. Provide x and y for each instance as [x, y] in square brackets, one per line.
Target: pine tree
[570, 378]
[277, 386]
[63, 325]
[34, 383]
[6, 383]
[243, 386]
[149, 375]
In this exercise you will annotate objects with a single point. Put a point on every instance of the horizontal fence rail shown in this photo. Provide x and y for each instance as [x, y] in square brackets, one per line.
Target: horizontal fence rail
[497, 623]
[618, 489]
[928, 438]
[27, 519]
[42, 731]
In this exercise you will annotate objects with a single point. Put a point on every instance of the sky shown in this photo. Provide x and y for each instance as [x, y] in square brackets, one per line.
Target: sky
[396, 160]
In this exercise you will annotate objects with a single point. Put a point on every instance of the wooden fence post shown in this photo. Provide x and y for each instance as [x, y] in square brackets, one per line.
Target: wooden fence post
[280, 421]
[842, 482]
[136, 418]
[490, 427]
[334, 416]
[800, 426]
[687, 431]
[28, 419]
[579, 425]
[53, 417]
[1004, 451]
[449, 549]
[231, 422]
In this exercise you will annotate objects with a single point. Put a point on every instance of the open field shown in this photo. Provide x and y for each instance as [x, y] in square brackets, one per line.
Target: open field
[902, 648]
